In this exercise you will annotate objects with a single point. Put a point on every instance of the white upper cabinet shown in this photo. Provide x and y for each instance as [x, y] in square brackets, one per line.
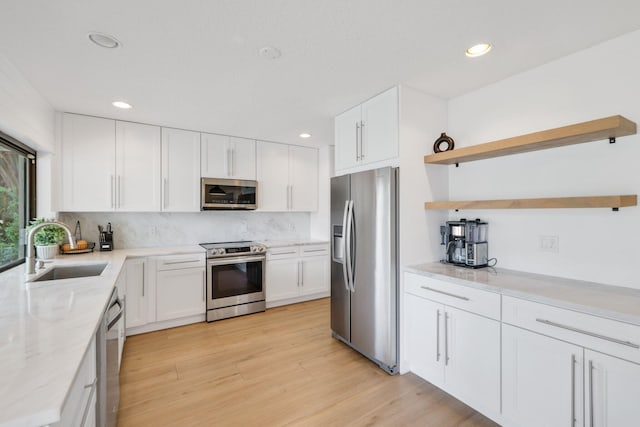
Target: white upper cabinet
[368, 133]
[287, 177]
[137, 167]
[273, 176]
[180, 170]
[88, 164]
[303, 179]
[228, 157]
[109, 165]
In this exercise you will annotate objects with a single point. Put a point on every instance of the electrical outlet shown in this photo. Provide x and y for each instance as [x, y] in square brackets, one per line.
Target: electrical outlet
[154, 231]
[549, 244]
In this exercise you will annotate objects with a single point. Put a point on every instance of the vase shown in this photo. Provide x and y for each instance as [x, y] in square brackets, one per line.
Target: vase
[47, 252]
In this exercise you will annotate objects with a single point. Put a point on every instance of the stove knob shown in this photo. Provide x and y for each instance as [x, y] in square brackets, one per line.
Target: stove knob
[220, 251]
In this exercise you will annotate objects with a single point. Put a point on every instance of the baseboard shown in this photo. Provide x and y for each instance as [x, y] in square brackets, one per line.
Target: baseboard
[165, 324]
[303, 298]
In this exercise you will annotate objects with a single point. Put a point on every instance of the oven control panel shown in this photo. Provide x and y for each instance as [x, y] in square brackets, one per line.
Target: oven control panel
[235, 251]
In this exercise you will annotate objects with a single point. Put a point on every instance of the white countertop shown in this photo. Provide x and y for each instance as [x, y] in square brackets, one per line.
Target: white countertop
[612, 302]
[45, 330]
[283, 243]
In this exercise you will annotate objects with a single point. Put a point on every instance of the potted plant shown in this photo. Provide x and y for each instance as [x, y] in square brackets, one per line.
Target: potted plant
[48, 239]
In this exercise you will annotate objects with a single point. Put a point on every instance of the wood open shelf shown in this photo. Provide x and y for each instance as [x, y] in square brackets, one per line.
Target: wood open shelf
[544, 203]
[594, 130]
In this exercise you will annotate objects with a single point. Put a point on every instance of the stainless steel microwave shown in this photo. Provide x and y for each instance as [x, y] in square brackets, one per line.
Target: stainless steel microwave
[227, 194]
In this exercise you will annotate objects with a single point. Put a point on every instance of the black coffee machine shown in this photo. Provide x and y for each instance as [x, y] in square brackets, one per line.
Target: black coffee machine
[465, 243]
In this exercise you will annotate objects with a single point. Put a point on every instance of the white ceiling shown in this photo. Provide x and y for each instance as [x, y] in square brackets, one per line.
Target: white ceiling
[193, 64]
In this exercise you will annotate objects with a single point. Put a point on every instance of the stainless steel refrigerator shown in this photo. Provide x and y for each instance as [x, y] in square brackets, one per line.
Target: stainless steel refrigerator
[364, 264]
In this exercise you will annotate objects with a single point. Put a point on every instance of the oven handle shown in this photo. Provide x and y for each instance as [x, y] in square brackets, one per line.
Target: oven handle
[233, 260]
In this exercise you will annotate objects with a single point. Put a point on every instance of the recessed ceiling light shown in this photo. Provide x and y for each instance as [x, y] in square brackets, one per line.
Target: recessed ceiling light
[270, 52]
[104, 40]
[478, 50]
[122, 104]
[305, 135]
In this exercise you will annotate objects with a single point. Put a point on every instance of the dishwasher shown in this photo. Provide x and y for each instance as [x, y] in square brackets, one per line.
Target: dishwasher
[107, 355]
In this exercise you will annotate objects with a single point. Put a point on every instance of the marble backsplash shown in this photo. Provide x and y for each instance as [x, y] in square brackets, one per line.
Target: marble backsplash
[151, 229]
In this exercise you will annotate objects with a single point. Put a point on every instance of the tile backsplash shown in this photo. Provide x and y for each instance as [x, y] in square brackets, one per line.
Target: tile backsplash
[151, 229]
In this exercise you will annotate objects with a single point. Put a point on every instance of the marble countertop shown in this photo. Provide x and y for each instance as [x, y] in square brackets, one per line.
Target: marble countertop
[612, 302]
[46, 328]
[283, 243]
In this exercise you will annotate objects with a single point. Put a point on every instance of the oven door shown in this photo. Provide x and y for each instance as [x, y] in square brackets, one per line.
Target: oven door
[234, 281]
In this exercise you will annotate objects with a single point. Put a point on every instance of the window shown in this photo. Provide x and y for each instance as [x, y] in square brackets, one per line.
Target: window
[17, 198]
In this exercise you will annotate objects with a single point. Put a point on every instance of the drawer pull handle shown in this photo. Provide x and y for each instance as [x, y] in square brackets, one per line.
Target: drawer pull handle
[180, 262]
[426, 288]
[591, 334]
[282, 253]
[316, 250]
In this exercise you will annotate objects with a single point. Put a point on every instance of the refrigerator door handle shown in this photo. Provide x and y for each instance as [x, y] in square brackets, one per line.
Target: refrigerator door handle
[352, 256]
[345, 240]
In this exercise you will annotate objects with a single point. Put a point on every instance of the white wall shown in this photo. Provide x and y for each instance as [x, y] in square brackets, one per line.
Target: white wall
[422, 118]
[28, 117]
[594, 244]
[24, 113]
[142, 230]
[320, 220]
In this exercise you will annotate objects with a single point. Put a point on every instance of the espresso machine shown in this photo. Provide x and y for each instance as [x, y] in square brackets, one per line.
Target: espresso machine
[465, 243]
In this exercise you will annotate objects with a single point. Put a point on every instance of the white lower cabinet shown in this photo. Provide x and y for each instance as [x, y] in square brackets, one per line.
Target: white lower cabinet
[180, 292]
[612, 390]
[541, 380]
[137, 293]
[296, 273]
[455, 350]
[164, 291]
[80, 406]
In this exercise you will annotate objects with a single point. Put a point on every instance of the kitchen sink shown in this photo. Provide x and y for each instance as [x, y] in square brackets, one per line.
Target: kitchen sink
[71, 271]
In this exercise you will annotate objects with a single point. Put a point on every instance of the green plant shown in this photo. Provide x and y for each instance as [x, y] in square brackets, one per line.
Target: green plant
[47, 235]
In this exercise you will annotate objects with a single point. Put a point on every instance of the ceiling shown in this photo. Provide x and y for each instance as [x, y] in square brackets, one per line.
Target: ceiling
[194, 64]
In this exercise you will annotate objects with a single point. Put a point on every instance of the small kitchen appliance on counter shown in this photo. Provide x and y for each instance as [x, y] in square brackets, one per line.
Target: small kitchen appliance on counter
[465, 243]
[106, 238]
[235, 279]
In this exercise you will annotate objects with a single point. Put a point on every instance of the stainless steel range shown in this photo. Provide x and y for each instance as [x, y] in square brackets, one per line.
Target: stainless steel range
[235, 279]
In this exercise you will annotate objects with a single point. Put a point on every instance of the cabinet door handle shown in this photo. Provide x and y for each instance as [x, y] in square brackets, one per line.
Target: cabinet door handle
[446, 338]
[164, 193]
[204, 285]
[113, 199]
[301, 273]
[361, 140]
[233, 160]
[573, 390]
[85, 414]
[142, 279]
[119, 193]
[426, 288]
[228, 162]
[438, 336]
[591, 393]
[357, 141]
[591, 334]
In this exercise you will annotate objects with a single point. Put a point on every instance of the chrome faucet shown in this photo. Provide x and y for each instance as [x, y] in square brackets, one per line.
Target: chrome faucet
[31, 261]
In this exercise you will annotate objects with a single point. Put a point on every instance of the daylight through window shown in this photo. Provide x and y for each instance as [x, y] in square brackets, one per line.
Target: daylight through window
[17, 196]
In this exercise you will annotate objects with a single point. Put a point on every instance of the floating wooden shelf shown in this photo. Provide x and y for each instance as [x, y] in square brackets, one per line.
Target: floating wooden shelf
[594, 130]
[544, 203]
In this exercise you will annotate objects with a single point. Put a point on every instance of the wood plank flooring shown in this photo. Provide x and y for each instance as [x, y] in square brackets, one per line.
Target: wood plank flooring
[279, 368]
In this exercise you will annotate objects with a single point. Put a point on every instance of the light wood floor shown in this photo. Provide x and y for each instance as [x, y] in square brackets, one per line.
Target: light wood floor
[272, 369]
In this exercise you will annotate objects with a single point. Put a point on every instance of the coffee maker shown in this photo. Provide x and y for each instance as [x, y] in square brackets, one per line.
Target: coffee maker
[465, 243]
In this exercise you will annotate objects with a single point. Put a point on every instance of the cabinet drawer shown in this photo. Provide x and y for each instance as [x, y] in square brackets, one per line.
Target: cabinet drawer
[608, 336]
[314, 250]
[463, 297]
[282, 252]
[175, 262]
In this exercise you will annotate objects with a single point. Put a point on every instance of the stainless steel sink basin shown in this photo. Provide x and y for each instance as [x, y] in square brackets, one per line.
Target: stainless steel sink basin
[72, 271]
